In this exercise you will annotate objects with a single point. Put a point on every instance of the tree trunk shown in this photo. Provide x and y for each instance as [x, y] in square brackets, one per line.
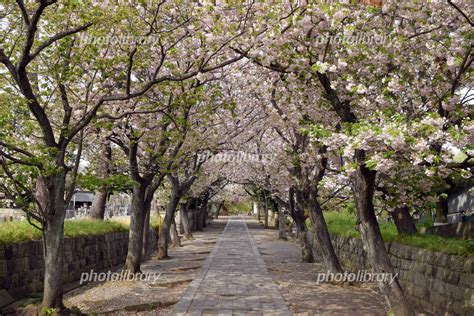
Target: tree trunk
[166, 225]
[146, 233]
[219, 209]
[175, 241]
[298, 217]
[55, 207]
[137, 223]
[323, 238]
[204, 219]
[403, 220]
[185, 221]
[258, 212]
[265, 212]
[53, 261]
[364, 185]
[199, 215]
[442, 211]
[281, 225]
[202, 213]
[100, 197]
[198, 220]
[305, 241]
[98, 204]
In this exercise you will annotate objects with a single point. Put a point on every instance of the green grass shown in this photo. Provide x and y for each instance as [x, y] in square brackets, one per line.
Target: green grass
[15, 232]
[241, 207]
[437, 243]
[87, 227]
[155, 222]
[343, 223]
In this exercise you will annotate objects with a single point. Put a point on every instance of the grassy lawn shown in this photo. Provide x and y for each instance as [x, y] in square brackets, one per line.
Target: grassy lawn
[14, 232]
[155, 222]
[343, 223]
[241, 207]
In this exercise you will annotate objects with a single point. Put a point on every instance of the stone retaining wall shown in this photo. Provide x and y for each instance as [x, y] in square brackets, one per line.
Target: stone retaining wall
[22, 266]
[436, 281]
[461, 230]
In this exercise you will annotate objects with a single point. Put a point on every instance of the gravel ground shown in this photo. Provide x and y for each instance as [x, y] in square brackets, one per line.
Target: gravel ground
[149, 298]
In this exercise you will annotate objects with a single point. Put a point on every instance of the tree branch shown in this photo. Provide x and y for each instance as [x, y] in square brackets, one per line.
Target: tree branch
[55, 38]
[460, 11]
[4, 59]
[129, 71]
[24, 13]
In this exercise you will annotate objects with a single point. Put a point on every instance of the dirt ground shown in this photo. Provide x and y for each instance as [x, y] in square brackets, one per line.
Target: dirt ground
[148, 298]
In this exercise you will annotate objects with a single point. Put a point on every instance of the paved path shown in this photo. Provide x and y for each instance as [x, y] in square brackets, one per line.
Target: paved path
[234, 280]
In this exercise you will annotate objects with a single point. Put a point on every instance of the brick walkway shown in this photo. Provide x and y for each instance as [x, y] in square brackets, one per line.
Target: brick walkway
[234, 280]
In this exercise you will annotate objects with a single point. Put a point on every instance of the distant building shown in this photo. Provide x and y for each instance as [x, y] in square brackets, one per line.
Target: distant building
[80, 204]
[461, 205]
[81, 199]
